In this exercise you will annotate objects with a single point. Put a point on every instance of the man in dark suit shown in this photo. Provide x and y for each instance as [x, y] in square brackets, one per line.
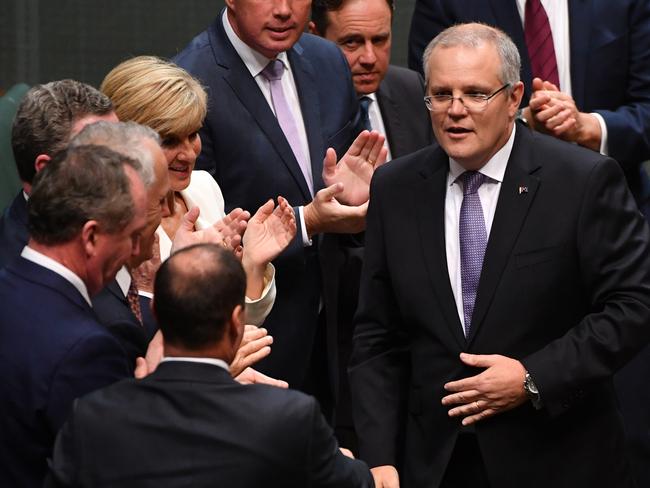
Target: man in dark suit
[516, 270]
[390, 96]
[601, 50]
[226, 434]
[47, 118]
[53, 349]
[391, 101]
[278, 99]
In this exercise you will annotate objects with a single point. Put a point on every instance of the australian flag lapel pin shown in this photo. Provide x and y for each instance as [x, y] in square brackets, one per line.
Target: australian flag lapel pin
[523, 189]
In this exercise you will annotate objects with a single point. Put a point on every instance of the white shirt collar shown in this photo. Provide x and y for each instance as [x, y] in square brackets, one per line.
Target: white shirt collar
[494, 169]
[254, 61]
[372, 96]
[214, 361]
[56, 267]
[123, 278]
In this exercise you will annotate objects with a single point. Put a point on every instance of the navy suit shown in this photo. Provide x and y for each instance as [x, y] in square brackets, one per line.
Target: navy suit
[226, 434]
[246, 151]
[610, 72]
[13, 230]
[52, 350]
[113, 311]
[564, 288]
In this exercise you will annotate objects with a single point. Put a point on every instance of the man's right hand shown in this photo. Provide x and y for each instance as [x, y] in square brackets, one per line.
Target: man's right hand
[326, 214]
[385, 477]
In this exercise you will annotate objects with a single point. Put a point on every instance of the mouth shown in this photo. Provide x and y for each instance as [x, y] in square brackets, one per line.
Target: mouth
[367, 76]
[180, 170]
[457, 131]
[280, 32]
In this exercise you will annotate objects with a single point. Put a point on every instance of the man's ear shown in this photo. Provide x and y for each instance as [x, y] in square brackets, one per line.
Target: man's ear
[515, 98]
[41, 161]
[236, 326]
[89, 237]
[311, 27]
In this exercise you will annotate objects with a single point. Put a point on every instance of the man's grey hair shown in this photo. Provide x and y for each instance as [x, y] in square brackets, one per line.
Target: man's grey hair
[125, 138]
[81, 184]
[474, 35]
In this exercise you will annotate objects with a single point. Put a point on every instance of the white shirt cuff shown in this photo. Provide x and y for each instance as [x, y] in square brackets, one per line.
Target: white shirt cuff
[604, 150]
[306, 241]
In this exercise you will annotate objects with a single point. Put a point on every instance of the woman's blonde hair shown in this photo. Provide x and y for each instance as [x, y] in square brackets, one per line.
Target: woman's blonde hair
[157, 93]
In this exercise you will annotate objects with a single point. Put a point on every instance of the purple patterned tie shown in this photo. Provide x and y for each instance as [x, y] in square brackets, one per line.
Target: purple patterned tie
[473, 240]
[273, 73]
[539, 42]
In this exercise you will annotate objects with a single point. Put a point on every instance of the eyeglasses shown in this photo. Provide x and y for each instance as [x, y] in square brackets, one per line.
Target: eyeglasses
[473, 102]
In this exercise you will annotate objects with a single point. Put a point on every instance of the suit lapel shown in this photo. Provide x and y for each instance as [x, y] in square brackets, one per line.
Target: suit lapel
[429, 195]
[517, 194]
[580, 22]
[305, 78]
[250, 96]
[114, 288]
[390, 114]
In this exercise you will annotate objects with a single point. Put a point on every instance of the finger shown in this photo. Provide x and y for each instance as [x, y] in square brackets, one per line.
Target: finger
[550, 86]
[551, 110]
[479, 360]
[471, 408]
[564, 127]
[255, 345]
[252, 333]
[264, 211]
[558, 119]
[359, 143]
[371, 141]
[329, 165]
[189, 219]
[538, 101]
[538, 84]
[375, 150]
[330, 192]
[267, 380]
[483, 414]
[252, 358]
[465, 396]
[381, 159]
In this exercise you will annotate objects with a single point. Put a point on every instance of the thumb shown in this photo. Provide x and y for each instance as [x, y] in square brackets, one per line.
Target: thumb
[329, 164]
[265, 210]
[477, 360]
[538, 84]
[331, 191]
[190, 218]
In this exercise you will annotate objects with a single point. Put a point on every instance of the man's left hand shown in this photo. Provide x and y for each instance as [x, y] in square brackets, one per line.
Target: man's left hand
[497, 389]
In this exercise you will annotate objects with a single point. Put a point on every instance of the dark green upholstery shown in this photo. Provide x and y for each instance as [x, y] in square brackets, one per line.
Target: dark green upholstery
[9, 180]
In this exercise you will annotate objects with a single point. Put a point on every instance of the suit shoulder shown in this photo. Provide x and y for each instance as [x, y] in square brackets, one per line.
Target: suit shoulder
[404, 169]
[398, 74]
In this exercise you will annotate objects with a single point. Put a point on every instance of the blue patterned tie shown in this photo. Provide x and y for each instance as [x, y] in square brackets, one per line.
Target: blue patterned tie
[364, 104]
[473, 240]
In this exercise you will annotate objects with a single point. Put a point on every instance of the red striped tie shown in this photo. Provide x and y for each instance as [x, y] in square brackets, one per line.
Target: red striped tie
[539, 41]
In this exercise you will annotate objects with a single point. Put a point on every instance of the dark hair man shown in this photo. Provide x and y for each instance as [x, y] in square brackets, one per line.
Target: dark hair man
[48, 117]
[189, 421]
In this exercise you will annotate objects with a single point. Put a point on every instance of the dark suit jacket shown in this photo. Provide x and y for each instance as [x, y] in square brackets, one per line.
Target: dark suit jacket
[249, 156]
[401, 101]
[191, 424]
[610, 73]
[565, 289]
[13, 230]
[52, 350]
[112, 310]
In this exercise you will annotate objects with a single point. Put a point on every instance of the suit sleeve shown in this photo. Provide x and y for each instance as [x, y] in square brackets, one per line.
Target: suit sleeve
[93, 362]
[378, 366]
[628, 126]
[614, 253]
[329, 468]
[62, 466]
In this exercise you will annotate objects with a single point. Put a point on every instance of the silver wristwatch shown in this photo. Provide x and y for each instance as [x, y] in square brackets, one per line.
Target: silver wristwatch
[532, 392]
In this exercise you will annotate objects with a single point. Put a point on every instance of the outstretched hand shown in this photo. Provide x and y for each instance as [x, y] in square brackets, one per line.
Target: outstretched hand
[355, 168]
[255, 345]
[226, 232]
[497, 389]
[251, 377]
[269, 232]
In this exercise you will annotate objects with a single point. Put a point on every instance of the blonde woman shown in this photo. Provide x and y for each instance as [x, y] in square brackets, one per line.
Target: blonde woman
[159, 94]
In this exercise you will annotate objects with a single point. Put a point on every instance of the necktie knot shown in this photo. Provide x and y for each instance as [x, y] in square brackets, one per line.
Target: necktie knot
[273, 70]
[472, 180]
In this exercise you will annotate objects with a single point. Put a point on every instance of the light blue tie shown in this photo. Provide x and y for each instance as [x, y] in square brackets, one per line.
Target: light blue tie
[364, 105]
[273, 73]
[473, 241]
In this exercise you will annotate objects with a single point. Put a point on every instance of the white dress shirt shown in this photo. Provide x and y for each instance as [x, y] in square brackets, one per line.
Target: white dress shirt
[377, 121]
[256, 62]
[488, 193]
[557, 12]
[213, 361]
[49, 263]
